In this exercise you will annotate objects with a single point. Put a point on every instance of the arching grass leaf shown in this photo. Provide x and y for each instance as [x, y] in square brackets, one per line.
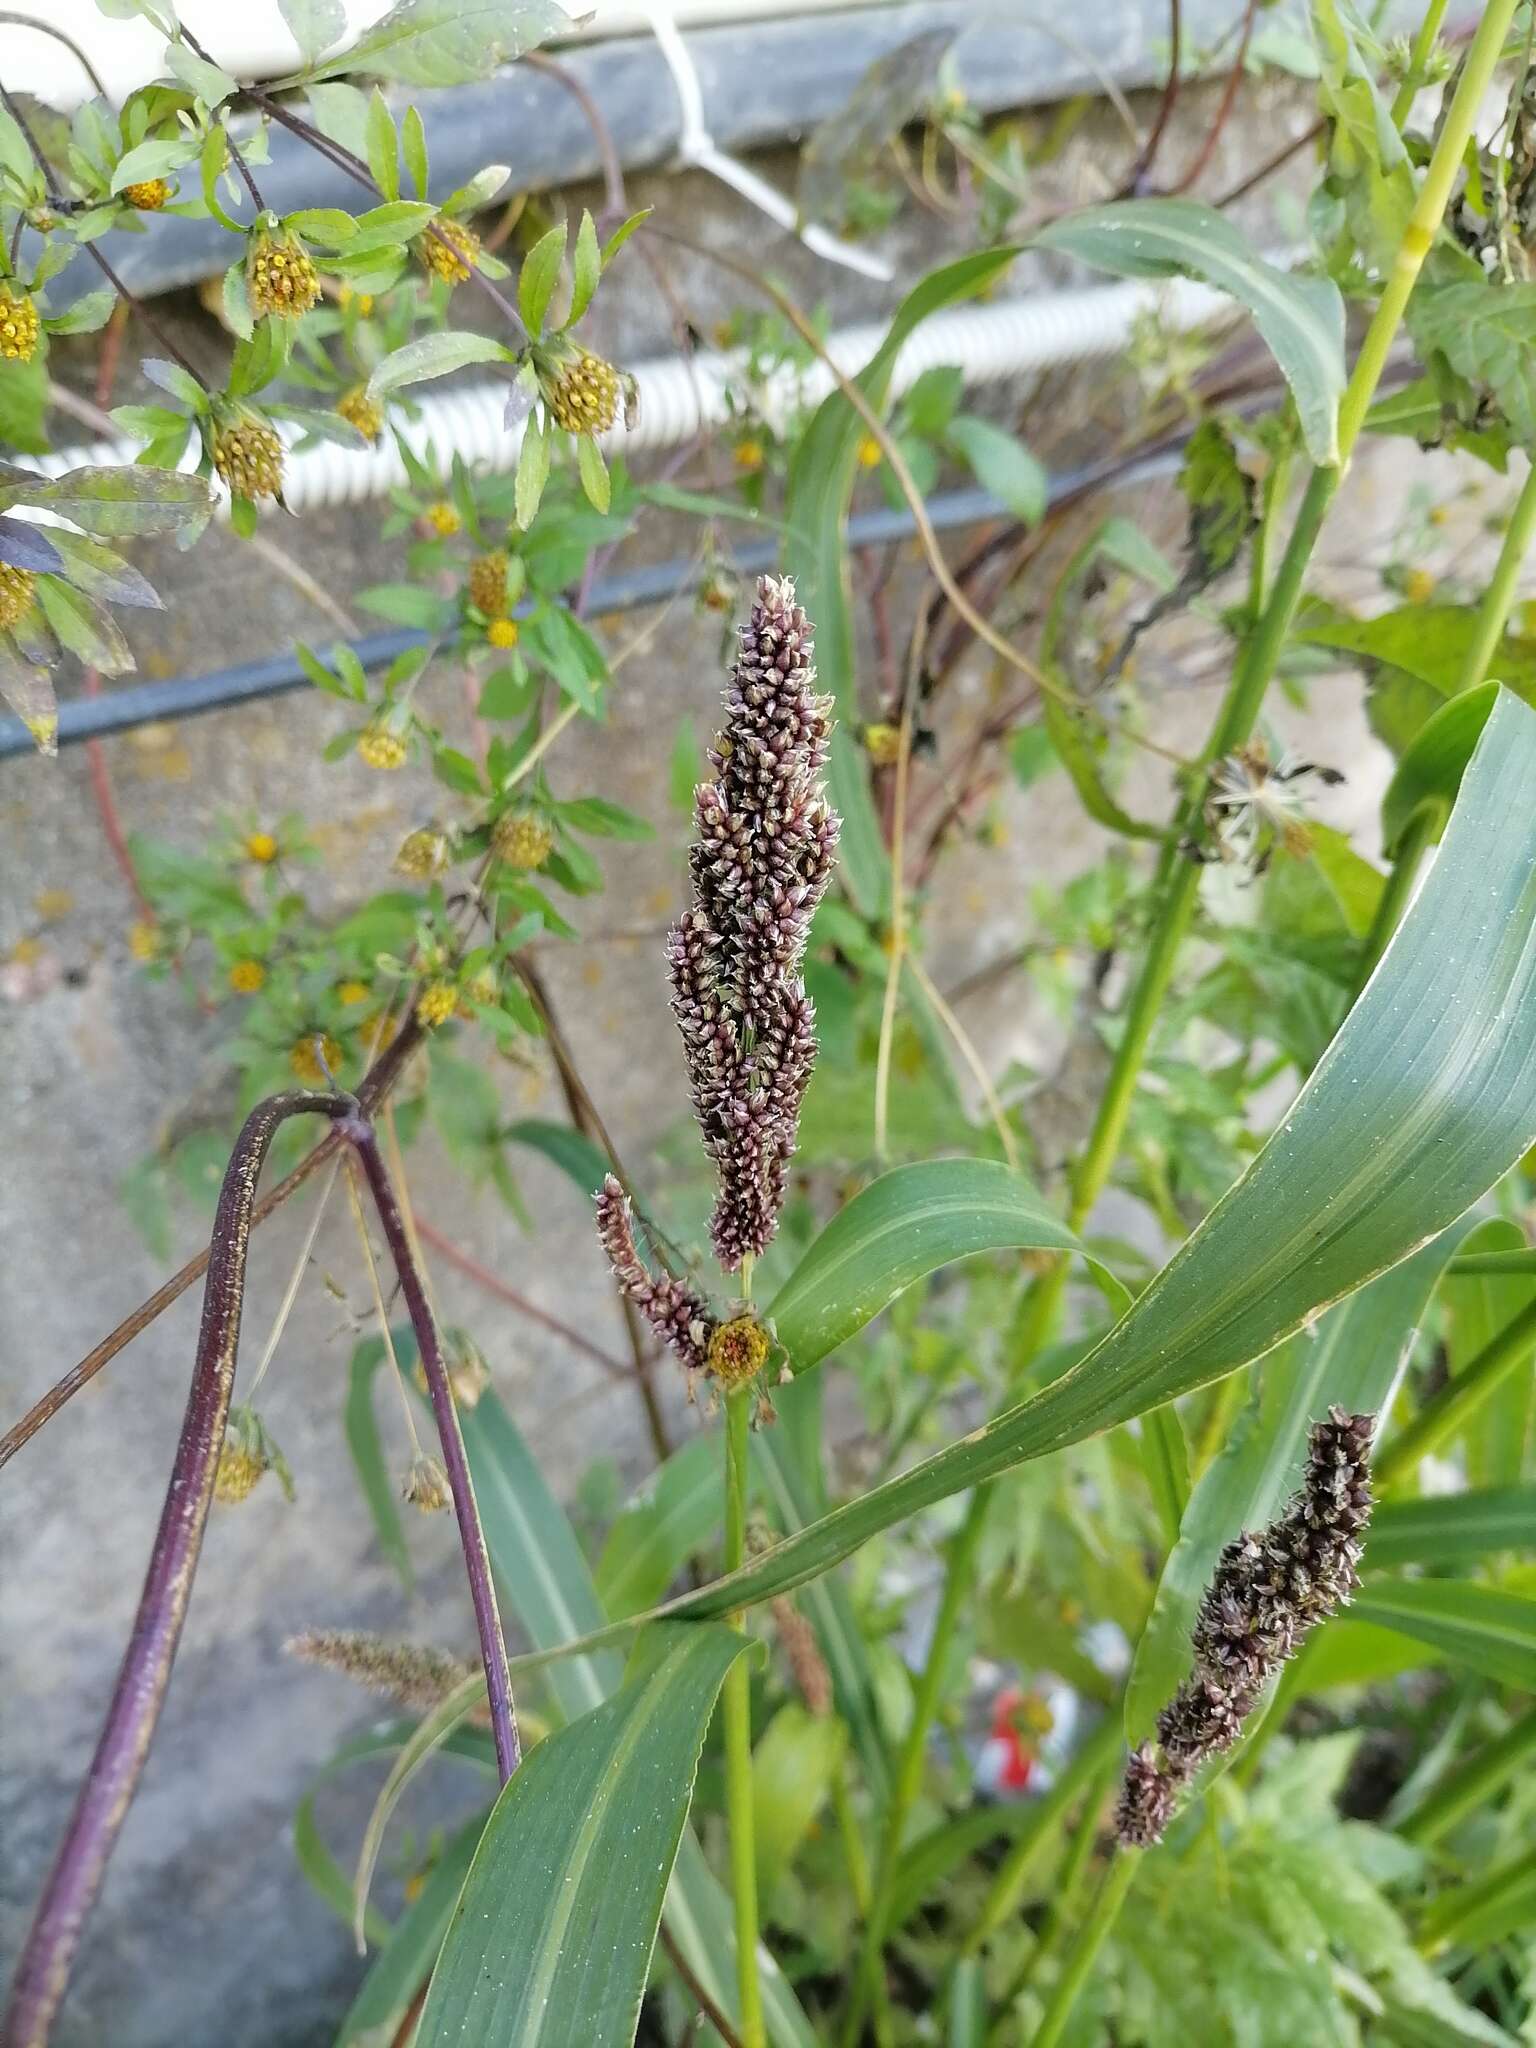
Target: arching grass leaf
[550, 1945]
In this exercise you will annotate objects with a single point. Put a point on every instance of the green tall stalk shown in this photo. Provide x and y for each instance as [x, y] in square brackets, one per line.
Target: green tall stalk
[1177, 883]
[1447, 1413]
[1464, 1790]
[1418, 58]
[1084, 1951]
[1492, 617]
[736, 1712]
[1064, 1894]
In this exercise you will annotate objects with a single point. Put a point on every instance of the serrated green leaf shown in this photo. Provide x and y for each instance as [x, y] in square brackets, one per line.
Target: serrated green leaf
[532, 470]
[586, 268]
[89, 632]
[314, 25]
[1487, 333]
[210, 83]
[538, 277]
[449, 42]
[120, 501]
[593, 471]
[433, 355]
[383, 146]
[413, 135]
[1301, 318]
[1001, 465]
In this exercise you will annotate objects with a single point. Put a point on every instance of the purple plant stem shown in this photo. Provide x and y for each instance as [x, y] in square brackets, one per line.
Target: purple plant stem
[43, 1973]
[482, 1591]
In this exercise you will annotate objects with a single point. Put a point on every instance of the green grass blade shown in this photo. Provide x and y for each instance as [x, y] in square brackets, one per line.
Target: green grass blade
[409, 1952]
[899, 1229]
[1490, 1632]
[1451, 1528]
[550, 1945]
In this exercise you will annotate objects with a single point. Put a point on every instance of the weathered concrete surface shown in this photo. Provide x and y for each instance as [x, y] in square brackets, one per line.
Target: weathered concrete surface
[206, 1932]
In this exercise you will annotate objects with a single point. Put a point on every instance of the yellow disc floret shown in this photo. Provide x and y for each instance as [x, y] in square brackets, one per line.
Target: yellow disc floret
[502, 633]
[443, 518]
[882, 743]
[260, 846]
[350, 993]
[436, 1004]
[522, 839]
[16, 589]
[380, 746]
[738, 1351]
[19, 325]
[582, 393]
[448, 249]
[249, 458]
[315, 1058]
[280, 276]
[246, 977]
[488, 583]
[359, 410]
[148, 195]
[423, 854]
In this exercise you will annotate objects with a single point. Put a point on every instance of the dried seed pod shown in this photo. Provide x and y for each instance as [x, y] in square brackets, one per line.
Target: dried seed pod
[248, 457]
[281, 280]
[451, 252]
[360, 411]
[582, 390]
[522, 838]
[488, 583]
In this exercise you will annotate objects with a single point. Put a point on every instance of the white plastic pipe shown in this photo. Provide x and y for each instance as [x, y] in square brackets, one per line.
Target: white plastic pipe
[680, 398]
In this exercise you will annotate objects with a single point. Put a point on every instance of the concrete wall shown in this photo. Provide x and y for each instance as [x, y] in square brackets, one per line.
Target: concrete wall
[206, 1932]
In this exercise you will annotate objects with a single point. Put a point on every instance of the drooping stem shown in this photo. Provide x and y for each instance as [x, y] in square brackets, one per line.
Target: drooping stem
[477, 1562]
[75, 1879]
[736, 1713]
[1084, 1951]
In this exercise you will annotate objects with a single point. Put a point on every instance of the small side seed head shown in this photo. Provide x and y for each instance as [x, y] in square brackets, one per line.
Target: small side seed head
[426, 1486]
[360, 411]
[436, 1003]
[738, 1351]
[315, 1058]
[19, 325]
[280, 276]
[582, 392]
[522, 839]
[380, 746]
[488, 583]
[16, 591]
[247, 1455]
[147, 195]
[450, 253]
[248, 457]
[424, 853]
[468, 1374]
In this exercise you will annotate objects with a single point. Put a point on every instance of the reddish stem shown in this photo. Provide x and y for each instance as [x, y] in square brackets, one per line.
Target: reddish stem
[493, 1649]
[493, 1284]
[75, 1879]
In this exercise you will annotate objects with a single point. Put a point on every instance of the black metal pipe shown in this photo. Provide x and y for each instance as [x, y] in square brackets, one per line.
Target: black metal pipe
[86, 718]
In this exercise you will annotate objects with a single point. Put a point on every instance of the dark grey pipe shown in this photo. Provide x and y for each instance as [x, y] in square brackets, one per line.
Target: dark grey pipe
[85, 718]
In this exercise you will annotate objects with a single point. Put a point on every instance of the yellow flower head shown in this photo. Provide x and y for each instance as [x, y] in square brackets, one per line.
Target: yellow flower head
[315, 1058]
[423, 853]
[1418, 586]
[16, 588]
[240, 1468]
[426, 1486]
[882, 743]
[260, 846]
[143, 940]
[481, 987]
[455, 261]
[488, 583]
[380, 746]
[249, 458]
[582, 392]
[350, 993]
[246, 977]
[748, 454]
[443, 518]
[738, 1351]
[280, 276]
[148, 195]
[19, 325]
[522, 839]
[362, 300]
[436, 1004]
[359, 410]
[502, 633]
[870, 453]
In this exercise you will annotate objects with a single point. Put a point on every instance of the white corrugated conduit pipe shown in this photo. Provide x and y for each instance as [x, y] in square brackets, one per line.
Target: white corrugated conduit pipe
[681, 397]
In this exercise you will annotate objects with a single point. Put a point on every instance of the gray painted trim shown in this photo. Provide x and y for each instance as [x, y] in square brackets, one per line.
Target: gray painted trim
[762, 82]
